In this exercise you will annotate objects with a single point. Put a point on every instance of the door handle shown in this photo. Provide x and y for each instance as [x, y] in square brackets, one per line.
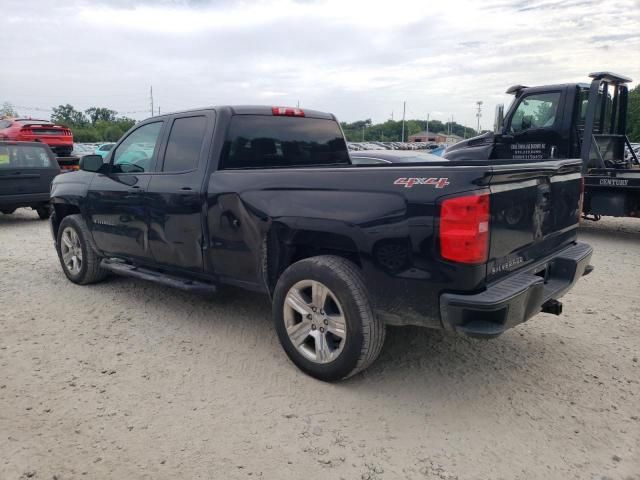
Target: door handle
[186, 189]
[231, 219]
[136, 189]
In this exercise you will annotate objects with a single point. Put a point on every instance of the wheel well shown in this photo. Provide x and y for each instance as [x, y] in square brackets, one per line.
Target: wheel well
[284, 247]
[61, 210]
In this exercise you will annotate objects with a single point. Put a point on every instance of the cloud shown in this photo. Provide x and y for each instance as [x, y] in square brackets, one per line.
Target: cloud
[358, 59]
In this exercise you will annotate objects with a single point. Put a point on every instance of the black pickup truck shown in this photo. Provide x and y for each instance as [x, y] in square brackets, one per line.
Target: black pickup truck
[266, 198]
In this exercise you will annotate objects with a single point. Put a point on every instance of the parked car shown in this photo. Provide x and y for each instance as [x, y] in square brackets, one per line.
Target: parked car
[26, 172]
[104, 149]
[438, 151]
[267, 199]
[82, 149]
[58, 137]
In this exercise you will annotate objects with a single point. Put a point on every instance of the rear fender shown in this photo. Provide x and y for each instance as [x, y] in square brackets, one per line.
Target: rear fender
[284, 246]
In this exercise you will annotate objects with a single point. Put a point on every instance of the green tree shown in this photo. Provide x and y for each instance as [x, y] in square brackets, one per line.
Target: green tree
[112, 133]
[125, 123]
[69, 116]
[97, 114]
[86, 134]
[7, 110]
[633, 115]
[391, 130]
[96, 124]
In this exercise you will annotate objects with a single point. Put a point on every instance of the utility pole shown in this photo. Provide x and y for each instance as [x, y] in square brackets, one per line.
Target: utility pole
[158, 109]
[479, 113]
[151, 97]
[363, 127]
[428, 127]
[404, 111]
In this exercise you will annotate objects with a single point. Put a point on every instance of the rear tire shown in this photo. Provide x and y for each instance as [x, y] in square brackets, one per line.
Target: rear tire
[44, 212]
[328, 339]
[8, 211]
[79, 261]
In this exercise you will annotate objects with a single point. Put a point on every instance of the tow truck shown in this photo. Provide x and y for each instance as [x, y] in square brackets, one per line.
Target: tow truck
[575, 120]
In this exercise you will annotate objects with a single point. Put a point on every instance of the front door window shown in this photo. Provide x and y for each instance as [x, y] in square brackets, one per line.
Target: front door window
[136, 152]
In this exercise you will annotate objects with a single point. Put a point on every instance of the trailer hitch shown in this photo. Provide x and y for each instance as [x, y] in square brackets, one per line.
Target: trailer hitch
[552, 306]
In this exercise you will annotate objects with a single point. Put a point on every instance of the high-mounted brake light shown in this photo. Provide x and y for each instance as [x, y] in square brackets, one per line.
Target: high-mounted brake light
[464, 229]
[287, 112]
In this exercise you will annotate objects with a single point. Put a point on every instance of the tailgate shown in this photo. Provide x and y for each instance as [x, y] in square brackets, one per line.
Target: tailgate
[26, 180]
[535, 210]
[26, 169]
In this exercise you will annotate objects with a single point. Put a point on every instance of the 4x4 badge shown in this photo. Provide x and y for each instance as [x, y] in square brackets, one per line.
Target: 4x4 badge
[410, 182]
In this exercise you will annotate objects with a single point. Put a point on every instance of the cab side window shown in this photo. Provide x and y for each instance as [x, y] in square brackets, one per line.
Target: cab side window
[535, 111]
[184, 144]
[135, 154]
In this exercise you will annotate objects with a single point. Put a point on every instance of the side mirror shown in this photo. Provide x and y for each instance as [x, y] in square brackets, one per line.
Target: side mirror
[91, 163]
[498, 123]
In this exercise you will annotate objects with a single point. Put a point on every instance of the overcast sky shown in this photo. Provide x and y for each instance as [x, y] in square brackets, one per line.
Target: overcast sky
[357, 59]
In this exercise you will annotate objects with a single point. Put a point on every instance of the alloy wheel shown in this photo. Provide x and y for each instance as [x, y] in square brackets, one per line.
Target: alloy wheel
[315, 321]
[71, 250]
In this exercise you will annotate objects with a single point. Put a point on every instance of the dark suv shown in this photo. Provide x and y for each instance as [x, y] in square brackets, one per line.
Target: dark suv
[26, 172]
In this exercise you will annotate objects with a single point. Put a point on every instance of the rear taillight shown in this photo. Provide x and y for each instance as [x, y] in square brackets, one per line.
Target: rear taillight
[464, 229]
[287, 112]
[23, 132]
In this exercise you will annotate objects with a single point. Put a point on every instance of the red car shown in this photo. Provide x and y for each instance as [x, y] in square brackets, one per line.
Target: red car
[59, 138]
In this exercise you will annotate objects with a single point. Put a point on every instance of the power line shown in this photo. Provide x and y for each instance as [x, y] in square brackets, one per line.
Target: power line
[39, 109]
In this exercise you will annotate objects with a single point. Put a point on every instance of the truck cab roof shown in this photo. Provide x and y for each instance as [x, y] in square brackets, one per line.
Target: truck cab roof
[255, 110]
[518, 90]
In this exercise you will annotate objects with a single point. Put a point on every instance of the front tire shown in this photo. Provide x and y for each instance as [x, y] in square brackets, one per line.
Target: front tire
[79, 261]
[324, 319]
[8, 211]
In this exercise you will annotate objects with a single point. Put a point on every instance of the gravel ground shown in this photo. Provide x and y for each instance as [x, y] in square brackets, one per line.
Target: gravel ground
[130, 380]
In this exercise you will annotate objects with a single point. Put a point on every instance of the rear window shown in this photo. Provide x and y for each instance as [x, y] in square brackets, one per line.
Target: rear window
[21, 156]
[260, 141]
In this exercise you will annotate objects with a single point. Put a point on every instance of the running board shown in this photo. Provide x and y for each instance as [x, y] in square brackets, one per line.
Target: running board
[162, 278]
